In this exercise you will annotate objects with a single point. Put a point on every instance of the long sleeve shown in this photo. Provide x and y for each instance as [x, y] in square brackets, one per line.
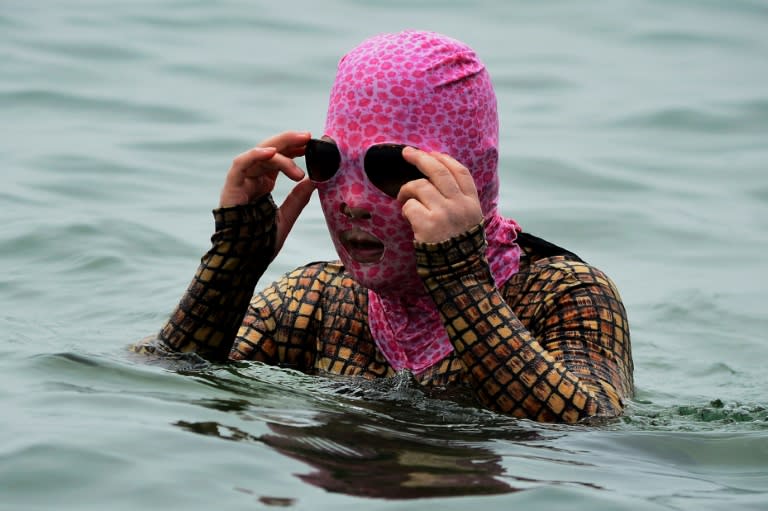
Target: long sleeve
[212, 309]
[572, 359]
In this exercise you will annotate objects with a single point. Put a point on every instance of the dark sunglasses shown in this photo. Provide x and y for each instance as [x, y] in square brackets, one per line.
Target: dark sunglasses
[383, 163]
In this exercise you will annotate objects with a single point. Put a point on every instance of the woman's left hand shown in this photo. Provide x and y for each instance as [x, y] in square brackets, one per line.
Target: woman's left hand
[445, 204]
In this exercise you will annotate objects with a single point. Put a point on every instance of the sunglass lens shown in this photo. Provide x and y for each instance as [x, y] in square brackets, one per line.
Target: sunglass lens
[323, 160]
[387, 170]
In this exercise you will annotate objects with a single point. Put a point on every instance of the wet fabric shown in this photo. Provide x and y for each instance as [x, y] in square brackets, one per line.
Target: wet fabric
[552, 344]
[432, 92]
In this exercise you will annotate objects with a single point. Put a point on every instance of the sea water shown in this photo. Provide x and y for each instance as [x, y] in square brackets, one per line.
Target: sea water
[633, 132]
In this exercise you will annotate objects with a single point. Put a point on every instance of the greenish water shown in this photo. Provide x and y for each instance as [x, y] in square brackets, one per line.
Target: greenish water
[633, 132]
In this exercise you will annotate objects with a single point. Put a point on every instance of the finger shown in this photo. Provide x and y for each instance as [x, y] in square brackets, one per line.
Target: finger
[422, 191]
[289, 210]
[295, 152]
[288, 142]
[413, 210]
[417, 215]
[277, 163]
[246, 160]
[295, 201]
[434, 169]
[461, 174]
[254, 155]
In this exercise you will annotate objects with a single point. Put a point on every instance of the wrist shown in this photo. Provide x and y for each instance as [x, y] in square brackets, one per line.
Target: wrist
[462, 253]
[256, 211]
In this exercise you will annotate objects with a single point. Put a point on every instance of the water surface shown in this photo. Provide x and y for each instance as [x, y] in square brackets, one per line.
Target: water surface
[633, 133]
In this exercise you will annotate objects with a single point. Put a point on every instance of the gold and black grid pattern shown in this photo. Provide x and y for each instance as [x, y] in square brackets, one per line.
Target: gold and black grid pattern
[551, 345]
[314, 320]
[212, 309]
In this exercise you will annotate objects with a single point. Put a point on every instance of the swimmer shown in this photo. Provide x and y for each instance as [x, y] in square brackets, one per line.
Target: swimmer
[432, 279]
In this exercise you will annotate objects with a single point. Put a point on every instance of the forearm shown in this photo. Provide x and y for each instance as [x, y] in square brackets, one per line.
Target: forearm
[212, 309]
[509, 369]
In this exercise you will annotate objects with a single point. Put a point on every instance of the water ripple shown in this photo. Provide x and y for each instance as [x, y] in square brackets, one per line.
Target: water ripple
[204, 19]
[716, 415]
[636, 134]
[532, 83]
[47, 100]
[201, 146]
[745, 118]
[678, 38]
[101, 52]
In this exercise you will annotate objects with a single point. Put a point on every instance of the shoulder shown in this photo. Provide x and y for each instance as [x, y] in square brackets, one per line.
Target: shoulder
[302, 290]
[546, 267]
[562, 290]
[324, 270]
[318, 275]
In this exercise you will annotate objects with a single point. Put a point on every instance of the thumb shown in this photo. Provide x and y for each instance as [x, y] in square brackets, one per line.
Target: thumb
[290, 209]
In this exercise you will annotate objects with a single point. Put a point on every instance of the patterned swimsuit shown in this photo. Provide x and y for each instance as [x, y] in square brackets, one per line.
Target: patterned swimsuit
[551, 345]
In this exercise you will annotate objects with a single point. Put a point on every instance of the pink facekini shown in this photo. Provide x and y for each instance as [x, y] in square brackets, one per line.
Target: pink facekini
[432, 92]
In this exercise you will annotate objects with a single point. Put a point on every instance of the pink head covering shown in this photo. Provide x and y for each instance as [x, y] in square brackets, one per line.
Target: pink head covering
[432, 92]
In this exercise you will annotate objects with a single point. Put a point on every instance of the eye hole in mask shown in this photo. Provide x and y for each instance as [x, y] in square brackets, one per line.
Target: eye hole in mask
[384, 165]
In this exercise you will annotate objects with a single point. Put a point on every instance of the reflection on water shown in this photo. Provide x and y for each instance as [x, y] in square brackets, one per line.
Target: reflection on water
[356, 459]
[358, 462]
[633, 139]
[391, 439]
[388, 439]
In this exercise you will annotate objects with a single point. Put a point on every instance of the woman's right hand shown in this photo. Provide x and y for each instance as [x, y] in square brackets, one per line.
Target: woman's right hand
[253, 174]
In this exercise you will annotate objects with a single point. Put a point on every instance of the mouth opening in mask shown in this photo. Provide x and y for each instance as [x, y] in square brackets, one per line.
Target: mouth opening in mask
[361, 245]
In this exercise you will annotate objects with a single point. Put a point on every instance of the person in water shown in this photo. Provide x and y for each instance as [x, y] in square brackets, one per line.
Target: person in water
[431, 278]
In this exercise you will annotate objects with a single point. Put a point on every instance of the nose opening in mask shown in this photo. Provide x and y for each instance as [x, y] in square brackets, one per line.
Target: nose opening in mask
[355, 212]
